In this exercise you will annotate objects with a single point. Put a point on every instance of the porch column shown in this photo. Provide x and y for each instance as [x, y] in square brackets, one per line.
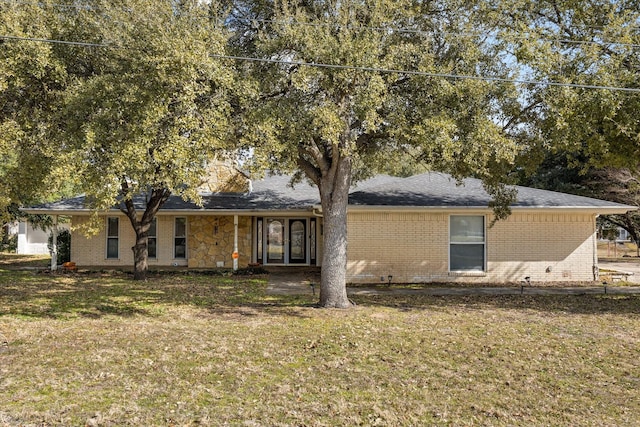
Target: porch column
[54, 244]
[235, 243]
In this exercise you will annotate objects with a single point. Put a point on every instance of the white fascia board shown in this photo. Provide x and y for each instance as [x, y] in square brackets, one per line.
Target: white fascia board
[548, 209]
[218, 212]
[317, 210]
[177, 212]
[62, 212]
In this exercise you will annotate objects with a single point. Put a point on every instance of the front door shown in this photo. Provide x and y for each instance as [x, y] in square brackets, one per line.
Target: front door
[284, 241]
[297, 241]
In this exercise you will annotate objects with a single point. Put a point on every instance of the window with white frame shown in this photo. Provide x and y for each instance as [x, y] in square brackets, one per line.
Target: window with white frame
[180, 238]
[113, 238]
[152, 240]
[467, 243]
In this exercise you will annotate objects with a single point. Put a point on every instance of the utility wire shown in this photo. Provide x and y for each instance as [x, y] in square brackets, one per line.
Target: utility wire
[352, 67]
[425, 73]
[33, 39]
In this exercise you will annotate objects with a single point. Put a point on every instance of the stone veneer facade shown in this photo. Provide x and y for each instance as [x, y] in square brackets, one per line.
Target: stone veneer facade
[224, 177]
[211, 241]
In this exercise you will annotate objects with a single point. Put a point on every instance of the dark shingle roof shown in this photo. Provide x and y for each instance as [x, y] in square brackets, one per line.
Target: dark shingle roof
[434, 189]
[426, 190]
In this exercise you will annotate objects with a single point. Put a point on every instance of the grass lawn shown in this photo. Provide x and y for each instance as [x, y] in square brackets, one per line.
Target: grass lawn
[618, 251]
[10, 260]
[201, 350]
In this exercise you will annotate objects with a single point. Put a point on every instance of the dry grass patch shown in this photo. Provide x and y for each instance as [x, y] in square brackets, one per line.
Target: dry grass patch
[8, 260]
[198, 350]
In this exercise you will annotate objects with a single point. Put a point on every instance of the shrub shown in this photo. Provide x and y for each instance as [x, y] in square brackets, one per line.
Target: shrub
[9, 243]
[64, 246]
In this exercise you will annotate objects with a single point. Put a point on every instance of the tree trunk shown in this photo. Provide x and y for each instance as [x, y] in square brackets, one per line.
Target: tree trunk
[334, 194]
[140, 255]
[141, 227]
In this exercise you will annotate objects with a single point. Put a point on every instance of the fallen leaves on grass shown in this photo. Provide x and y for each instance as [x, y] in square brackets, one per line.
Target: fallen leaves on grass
[189, 350]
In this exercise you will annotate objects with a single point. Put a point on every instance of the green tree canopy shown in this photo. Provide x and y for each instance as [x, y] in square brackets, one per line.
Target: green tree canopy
[582, 140]
[590, 43]
[140, 104]
[32, 77]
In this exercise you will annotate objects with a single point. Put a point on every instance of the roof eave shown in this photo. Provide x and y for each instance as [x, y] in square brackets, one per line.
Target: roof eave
[608, 210]
[352, 208]
[188, 212]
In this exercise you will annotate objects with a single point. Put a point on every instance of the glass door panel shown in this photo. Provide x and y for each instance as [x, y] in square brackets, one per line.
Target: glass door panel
[297, 241]
[312, 242]
[259, 240]
[275, 241]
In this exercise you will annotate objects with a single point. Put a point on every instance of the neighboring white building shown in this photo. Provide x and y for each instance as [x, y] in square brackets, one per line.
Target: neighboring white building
[621, 236]
[34, 241]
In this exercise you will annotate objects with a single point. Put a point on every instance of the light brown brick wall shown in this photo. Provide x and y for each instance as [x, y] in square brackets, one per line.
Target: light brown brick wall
[404, 245]
[92, 251]
[546, 247]
[414, 247]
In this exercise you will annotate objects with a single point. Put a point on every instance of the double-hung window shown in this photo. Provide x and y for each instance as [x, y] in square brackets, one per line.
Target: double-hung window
[467, 243]
[152, 240]
[180, 238]
[113, 237]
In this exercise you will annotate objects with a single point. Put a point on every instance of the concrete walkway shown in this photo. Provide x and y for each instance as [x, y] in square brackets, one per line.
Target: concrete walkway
[307, 283]
[624, 267]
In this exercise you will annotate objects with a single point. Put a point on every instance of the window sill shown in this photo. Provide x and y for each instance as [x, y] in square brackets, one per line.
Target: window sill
[467, 273]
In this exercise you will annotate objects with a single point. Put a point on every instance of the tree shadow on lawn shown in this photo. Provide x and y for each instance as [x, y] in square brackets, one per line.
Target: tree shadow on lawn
[95, 295]
[594, 304]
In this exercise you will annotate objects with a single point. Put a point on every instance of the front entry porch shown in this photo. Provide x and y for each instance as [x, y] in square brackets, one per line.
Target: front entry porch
[283, 241]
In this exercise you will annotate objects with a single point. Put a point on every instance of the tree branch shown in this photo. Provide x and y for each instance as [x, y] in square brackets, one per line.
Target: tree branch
[525, 110]
[312, 172]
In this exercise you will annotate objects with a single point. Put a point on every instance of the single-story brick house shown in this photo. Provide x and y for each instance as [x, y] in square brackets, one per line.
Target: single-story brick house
[423, 228]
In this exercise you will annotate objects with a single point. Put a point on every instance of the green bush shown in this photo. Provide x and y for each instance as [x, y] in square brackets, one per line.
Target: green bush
[9, 243]
[64, 246]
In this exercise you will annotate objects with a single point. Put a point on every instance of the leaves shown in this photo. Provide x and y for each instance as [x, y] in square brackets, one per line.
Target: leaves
[588, 43]
[147, 103]
[365, 111]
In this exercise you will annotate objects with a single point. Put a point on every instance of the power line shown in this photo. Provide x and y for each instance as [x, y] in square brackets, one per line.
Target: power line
[425, 73]
[354, 68]
[72, 43]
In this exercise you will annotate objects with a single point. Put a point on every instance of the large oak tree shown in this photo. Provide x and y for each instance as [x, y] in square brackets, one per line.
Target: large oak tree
[332, 108]
[32, 76]
[140, 103]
